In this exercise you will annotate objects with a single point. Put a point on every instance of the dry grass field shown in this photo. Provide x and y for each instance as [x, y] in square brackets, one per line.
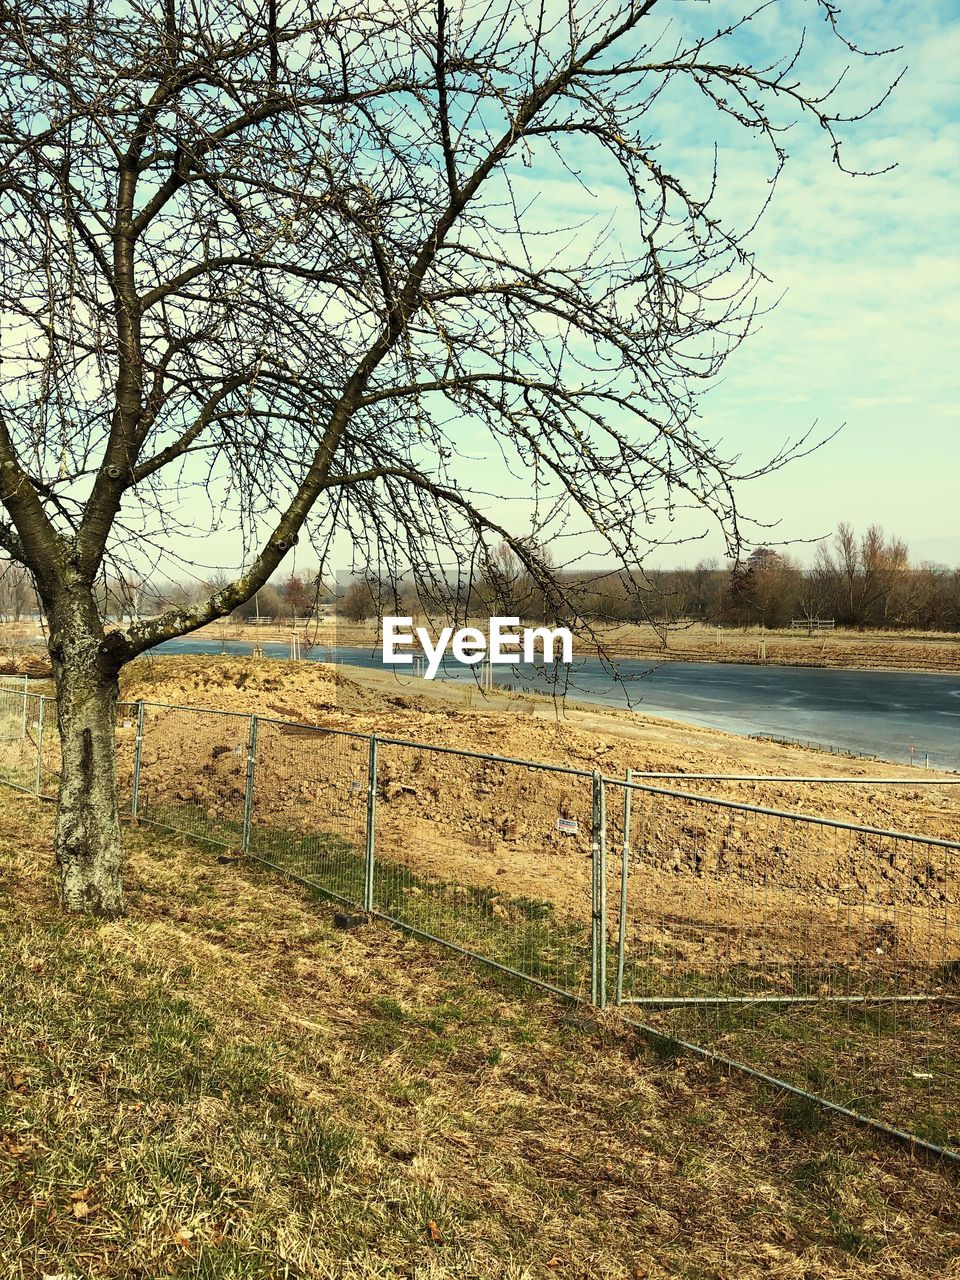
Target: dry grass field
[920, 650]
[224, 1085]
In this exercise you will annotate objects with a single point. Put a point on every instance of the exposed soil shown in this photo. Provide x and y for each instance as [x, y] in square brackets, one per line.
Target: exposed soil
[789, 889]
[536, 729]
[25, 662]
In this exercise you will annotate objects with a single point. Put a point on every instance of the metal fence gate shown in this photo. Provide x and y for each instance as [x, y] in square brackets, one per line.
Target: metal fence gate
[822, 955]
[825, 954]
[461, 855]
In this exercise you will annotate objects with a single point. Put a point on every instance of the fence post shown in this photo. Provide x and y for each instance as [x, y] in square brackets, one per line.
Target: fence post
[137, 748]
[23, 717]
[624, 876]
[371, 825]
[43, 702]
[248, 788]
[602, 884]
[595, 894]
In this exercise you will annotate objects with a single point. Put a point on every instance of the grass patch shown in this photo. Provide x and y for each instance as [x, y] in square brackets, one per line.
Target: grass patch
[897, 1063]
[519, 933]
[224, 1085]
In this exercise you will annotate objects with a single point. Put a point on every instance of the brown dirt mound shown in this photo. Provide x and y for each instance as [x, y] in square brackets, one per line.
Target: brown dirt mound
[495, 824]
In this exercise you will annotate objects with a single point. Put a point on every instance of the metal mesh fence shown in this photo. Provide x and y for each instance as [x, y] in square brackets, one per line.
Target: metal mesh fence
[308, 811]
[823, 954]
[827, 955]
[491, 856]
[863, 799]
[127, 729]
[48, 748]
[192, 774]
[22, 718]
[460, 852]
[30, 743]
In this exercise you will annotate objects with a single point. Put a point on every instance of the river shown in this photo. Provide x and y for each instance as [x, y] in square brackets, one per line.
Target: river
[894, 715]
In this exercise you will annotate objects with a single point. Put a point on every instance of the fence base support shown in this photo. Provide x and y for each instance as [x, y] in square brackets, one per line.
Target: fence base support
[370, 842]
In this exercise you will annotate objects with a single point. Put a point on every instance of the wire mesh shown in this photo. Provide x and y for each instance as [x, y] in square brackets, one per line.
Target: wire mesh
[30, 743]
[48, 741]
[823, 954]
[489, 856]
[309, 803]
[933, 803]
[193, 768]
[126, 736]
[20, 731]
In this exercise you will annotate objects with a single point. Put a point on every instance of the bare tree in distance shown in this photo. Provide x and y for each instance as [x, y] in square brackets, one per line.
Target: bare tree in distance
[859, 576]
[277, 265]
[17, 595]
[358, 603]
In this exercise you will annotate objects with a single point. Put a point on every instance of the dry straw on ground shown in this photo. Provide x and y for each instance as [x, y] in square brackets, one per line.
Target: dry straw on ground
[224, 1085]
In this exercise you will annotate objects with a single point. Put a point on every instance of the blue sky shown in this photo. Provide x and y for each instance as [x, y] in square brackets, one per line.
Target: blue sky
[867, 273]
[866, 333]
[867, 270]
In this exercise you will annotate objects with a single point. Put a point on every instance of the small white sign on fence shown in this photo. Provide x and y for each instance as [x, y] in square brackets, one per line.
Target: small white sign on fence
[568, 826]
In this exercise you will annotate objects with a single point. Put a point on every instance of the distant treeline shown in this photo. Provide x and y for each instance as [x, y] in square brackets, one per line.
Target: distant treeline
[285, 598]
[865, 581]
[858, 581]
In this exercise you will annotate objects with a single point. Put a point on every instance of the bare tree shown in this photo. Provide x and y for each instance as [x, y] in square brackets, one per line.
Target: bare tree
[767, 589]
[272, 259]
[16, 591]
[358, 603]
[505, 584]
[862, 575]
[265, 603]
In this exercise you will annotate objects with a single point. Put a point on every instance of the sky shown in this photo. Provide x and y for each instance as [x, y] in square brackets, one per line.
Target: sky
[863, 340]
[866, 334]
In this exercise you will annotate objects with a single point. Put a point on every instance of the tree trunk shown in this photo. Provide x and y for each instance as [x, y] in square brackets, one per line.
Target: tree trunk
[88, 844]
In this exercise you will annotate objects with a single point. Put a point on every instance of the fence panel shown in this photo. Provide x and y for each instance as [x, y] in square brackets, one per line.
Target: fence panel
[193, 767]
[489, 856]
[126, 732]
[21, 717]
[926, 805]
[822, 954]
[309, 802]
[48, 737]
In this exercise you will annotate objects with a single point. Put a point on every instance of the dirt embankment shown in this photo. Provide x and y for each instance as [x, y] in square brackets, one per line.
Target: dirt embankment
[491, 822]
[536, 729]
[25, 662]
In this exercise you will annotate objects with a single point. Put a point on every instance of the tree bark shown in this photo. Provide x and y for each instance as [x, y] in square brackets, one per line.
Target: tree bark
[89, 850]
